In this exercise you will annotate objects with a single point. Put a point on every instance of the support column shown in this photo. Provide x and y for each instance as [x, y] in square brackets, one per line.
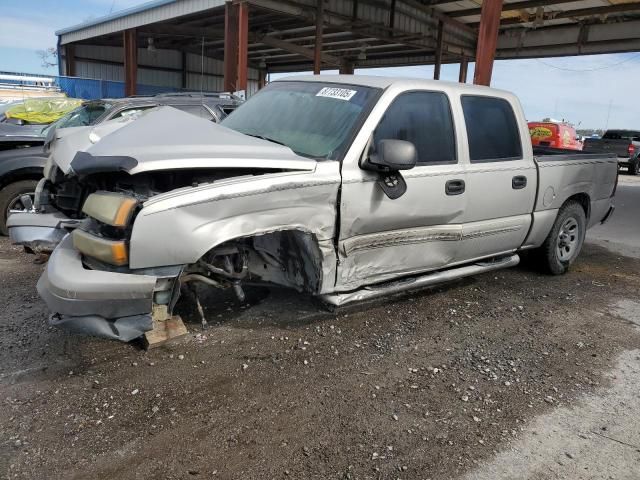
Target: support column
[183, 83]
[487, 41]
[69, 61]
[130, 61]
[262, 78]
[236, 43]
[317, 51]
[439, 47]
[464, 66]
[346, 68]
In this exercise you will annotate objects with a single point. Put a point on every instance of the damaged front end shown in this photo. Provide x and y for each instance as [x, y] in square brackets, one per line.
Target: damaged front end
[116, 276]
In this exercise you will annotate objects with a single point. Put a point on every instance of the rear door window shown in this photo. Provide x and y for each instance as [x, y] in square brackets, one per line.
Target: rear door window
[492, 129]
[424, 119]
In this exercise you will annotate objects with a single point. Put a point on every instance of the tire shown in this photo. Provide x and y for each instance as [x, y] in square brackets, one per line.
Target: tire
[11, 194]
[564, 242]
[633, 167]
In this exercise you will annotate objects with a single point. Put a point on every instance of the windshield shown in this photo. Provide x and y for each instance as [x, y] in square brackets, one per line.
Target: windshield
[313, 119]
[80, 117]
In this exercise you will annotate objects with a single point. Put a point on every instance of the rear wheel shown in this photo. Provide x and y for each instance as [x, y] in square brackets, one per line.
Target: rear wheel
[10, 199]
[634, 168]
[564, 242]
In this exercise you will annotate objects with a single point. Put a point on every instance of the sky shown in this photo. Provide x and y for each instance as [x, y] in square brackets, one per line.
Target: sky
[595, 91]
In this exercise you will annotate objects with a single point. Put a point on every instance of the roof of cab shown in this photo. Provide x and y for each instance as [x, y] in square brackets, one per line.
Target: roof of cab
[385, 82]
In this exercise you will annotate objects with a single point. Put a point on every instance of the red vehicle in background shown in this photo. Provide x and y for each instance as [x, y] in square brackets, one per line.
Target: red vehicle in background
[554, 134]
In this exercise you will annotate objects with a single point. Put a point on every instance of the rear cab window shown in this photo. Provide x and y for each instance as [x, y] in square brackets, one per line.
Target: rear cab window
[131, 111]
[197, 110]
[492, 129]
[621, 135]
[423, 118]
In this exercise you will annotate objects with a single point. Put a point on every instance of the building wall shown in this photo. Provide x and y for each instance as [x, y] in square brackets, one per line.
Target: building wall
[106, 63]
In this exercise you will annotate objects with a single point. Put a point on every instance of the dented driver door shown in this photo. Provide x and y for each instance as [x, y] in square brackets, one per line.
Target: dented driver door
[382, 238]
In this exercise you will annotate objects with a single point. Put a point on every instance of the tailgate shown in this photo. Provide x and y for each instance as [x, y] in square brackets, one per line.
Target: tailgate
[619, 146]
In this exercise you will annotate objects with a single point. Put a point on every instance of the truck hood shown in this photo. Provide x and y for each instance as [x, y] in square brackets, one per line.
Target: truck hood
[167, 139]
[20, 132]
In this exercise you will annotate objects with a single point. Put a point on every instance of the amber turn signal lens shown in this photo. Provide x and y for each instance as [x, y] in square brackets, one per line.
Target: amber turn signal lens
[113, 252]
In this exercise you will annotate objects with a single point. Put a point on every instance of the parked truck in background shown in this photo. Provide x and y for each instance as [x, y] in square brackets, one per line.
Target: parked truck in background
[345, 187]
[554, 134]
[625, 144]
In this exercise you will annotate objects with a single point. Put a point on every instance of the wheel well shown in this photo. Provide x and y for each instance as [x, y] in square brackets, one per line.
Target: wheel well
[584, 200]
[290, 258]
[30, 173]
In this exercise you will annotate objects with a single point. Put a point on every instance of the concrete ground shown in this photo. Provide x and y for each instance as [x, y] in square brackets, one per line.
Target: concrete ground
[598, 437]
[508, 375]
[622, 233]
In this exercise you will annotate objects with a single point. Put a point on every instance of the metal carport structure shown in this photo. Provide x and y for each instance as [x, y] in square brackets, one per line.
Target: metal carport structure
[231, 45]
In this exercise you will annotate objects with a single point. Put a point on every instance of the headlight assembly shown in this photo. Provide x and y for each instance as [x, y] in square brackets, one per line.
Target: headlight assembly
[114, 252]
[113, 209]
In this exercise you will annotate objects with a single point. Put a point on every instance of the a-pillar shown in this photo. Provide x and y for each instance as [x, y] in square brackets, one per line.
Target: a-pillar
[487, 41]
[236, 44]
[130, 42]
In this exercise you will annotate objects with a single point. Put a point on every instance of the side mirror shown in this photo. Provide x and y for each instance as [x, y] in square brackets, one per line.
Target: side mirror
[392, 156]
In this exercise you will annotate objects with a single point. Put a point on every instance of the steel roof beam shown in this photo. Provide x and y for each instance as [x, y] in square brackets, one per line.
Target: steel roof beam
[510, 7]
[578, 13]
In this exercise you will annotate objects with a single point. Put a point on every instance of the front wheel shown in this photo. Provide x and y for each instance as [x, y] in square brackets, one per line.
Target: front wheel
[10, 199]
[563, 244]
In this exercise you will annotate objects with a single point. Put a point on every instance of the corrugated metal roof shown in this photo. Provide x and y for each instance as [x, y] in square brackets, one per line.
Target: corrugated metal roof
[113, 16]
[151, 12]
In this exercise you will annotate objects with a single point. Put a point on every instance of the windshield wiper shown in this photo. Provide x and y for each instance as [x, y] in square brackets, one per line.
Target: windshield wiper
[262, 137]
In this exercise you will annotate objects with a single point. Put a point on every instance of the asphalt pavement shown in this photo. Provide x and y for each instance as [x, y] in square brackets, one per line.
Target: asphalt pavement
[621, 234]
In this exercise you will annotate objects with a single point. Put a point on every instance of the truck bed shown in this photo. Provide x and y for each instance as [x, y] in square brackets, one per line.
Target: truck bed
[564, 173]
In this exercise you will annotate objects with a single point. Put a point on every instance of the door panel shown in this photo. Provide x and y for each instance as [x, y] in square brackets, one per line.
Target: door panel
[501, 178]
[382, 238]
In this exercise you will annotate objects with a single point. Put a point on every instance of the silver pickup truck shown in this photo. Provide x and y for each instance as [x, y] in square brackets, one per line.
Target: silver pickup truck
[346, 187]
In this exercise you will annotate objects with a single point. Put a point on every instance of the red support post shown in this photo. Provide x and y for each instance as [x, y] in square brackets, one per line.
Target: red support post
[130, 43]
[487, 41]
[439, 48]
[236, 43]
[243, 45]
[317, 51]
[464, 66]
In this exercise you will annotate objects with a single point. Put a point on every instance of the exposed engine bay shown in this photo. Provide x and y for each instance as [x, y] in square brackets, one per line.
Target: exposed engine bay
[68, 193]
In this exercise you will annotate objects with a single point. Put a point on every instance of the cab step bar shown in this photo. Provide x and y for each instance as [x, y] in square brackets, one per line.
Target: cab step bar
[373, 292]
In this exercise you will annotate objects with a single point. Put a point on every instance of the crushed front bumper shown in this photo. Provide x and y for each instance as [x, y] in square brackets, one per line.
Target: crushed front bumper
[95, 302]
[40, 232]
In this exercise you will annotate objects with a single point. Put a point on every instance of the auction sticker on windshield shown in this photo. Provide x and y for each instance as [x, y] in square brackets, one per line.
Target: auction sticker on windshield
[338, 93]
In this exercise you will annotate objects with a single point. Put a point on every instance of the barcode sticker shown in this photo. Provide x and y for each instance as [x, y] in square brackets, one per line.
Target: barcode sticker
[337, 93]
